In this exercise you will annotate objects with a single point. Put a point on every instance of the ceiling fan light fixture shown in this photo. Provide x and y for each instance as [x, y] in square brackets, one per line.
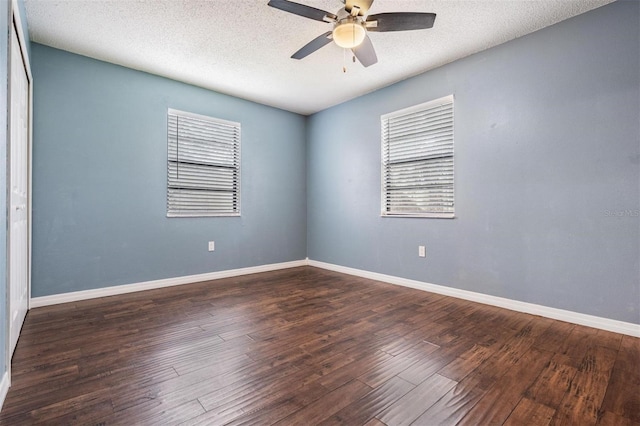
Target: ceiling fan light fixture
[349, 33]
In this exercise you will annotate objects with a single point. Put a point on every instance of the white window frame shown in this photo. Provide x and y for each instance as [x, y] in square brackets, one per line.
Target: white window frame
[174, 183]
[439, 211]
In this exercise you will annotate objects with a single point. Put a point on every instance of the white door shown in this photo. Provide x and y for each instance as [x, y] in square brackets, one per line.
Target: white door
[19, 184]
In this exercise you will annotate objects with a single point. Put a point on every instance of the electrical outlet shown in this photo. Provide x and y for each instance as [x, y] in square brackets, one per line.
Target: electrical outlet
[422, 251]
[212, 245]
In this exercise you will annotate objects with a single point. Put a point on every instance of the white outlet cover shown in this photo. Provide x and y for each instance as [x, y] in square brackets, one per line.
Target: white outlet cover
[422, 252]
[212, 245]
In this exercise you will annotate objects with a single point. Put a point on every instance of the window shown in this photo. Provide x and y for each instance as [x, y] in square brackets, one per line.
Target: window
[203, 166]
[417, 160]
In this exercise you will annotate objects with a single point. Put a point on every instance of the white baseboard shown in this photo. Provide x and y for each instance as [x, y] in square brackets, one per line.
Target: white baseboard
[4, 388]
[75, 296]
[514, 305]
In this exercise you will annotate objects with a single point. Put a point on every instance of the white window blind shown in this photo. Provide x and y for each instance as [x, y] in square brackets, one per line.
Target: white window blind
[417, 160]
[203, 167]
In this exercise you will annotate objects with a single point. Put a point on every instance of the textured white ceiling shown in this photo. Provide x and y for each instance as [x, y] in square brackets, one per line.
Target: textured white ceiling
[243, 47]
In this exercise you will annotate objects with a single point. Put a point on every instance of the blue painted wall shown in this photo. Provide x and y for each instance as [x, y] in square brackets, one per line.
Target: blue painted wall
[547, 135]
[4, 66]
[99, 180]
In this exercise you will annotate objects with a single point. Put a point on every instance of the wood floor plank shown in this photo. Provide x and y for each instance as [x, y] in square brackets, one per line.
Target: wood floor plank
[467, 362]
[374, 422]
[500, 399]
[607, 418]
[452, 407]
[386, 370]
[427, 366]
[262, 416]
[327, 405]
[270, 411]
[609, 339]
[234, 400]
[417, 401]
[507, 356]
[354, 369]
[623, 391]
[213, 376]
[582, 402]
[552, 384]
[370, 405]
[309, 346]
[169, 398]
[528, 412]
[78, 404]
[555, 336]
[169, 415]
[576, 344]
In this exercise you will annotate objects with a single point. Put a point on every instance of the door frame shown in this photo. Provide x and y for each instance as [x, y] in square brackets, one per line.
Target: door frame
[16, 20]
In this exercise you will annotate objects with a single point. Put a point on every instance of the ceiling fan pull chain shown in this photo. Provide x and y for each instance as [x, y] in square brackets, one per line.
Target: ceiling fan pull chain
[344, 60]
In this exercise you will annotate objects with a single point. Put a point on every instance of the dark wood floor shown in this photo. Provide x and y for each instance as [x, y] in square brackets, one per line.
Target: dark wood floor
[306, 346]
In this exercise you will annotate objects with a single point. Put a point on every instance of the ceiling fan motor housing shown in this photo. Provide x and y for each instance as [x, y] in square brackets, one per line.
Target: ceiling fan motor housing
[349, 31]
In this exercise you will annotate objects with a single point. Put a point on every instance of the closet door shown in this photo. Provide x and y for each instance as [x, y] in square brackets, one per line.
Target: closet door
[18, 191]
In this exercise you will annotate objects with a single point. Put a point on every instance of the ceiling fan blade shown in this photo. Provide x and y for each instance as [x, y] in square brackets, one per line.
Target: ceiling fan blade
[400, 21]
[363, 5]
[315, 44]
[301, 10]
[365, 52]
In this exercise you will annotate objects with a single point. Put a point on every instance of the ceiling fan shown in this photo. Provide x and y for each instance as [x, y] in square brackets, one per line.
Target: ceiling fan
[350, 26]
